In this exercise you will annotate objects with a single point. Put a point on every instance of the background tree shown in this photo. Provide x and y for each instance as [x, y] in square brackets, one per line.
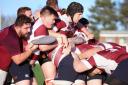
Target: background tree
[103, 16]
[124, 14]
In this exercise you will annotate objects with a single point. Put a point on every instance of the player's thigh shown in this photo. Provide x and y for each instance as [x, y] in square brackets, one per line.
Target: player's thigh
[21, 72]
[23, 82]
[3, 75]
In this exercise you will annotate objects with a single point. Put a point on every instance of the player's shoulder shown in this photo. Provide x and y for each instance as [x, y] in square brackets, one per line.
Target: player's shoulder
[5, 32]
[41, 30]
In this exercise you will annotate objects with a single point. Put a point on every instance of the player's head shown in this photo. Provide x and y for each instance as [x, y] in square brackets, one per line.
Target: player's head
[75, 11]
[52, 3]
[25, 11]
[23, 25]
[48, 14]
[83, 22]
[63, 11]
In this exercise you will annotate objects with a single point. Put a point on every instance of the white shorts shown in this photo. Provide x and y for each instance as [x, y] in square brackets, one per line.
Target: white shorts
[3, 75]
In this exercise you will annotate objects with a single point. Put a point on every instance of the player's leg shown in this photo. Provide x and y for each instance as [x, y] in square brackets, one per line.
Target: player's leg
[65, 71]
[48, 68]
[33, 81]
[81, 79]
[3, 75]
[22, 73]
[96, 77]
[49, 71]
[119, 76]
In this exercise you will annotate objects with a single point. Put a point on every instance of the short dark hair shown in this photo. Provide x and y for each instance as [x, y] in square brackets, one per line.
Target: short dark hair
[22, 10]
[63, 11]
[83, 22]
[22, 19]
[52, 2]
[73, 8]
[48, 10]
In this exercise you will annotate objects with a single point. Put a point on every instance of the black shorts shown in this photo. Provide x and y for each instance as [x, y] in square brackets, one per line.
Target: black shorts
[21, 72]
[82, 76]
[101, 76]
[121, 72]
[66, 71]
[41, 59]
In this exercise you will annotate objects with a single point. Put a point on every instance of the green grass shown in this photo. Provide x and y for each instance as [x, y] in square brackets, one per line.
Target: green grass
[38, 74]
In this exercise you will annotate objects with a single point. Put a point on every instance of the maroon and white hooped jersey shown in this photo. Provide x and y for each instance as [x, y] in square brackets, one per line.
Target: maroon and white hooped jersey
[108, 55]
[108, 45]
[82, 48]
[110, 50]
[57, 55]
[59, 24]
[107, 59]
[38, 31]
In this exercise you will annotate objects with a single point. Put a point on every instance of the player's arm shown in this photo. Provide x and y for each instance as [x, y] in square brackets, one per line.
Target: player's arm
[87, 32]
[60, 37]
[87, 54]
[76, 40]
[84, 65]
[95, 71]
[19, 58]
[80, 65]
[47, 47]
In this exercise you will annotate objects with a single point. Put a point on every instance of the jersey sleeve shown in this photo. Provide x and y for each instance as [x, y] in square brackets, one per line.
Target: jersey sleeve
[41, 31]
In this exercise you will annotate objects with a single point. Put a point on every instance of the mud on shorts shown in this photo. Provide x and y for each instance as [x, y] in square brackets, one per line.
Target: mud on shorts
[21, 72]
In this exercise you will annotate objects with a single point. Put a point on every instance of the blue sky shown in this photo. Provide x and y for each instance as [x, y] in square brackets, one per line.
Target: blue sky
[9, 7]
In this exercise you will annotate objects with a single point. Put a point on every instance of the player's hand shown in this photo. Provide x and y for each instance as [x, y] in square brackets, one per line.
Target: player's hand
[34, 47]
[95, 71]
[31, 47]
[64, 40]
[32, 62]
[59, 40]
[67, 50]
